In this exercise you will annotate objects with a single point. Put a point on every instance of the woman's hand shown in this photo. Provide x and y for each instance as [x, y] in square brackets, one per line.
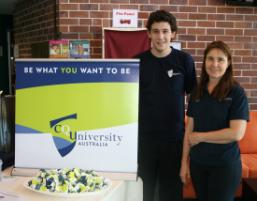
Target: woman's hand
[194, 138]
[184, 172]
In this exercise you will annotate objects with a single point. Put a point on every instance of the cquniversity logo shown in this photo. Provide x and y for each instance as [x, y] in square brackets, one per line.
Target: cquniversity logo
[63, 136]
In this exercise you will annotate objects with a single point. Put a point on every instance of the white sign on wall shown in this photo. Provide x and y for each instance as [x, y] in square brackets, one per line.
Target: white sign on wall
[126, 18]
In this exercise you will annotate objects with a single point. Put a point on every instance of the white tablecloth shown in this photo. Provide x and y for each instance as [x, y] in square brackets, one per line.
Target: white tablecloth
[119, 191]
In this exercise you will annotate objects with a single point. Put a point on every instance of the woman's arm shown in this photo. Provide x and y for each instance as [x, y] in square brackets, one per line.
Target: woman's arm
[184, 171]
[235, 132]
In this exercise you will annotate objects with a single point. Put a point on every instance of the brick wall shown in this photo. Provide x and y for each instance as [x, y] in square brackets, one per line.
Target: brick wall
[34, 21]
[198, 25]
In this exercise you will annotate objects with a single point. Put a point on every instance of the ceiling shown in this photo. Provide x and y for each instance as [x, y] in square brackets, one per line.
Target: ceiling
[6, 6]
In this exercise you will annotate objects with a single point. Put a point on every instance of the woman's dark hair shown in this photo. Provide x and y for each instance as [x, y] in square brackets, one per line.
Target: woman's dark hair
[226, 82]
[162, 16]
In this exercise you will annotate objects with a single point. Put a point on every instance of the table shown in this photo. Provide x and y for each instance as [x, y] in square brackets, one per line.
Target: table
[119, 191]
[249, 189]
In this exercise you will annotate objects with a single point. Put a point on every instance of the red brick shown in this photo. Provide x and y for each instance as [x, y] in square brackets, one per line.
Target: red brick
[97, 22]
[79, 1]
[119, 1]
[64, 29]
[197, 2]
[96, 29]
[232, 17]
[107, 22]
[240, 10]
[85, 21]
[187, 9]
[205, 9]
[196, 31]
[196, 44]
[88, 7]
[226, 10]
[250, 32]
[200, 52]
[253, 92]
[139, 1]
[79, 28]
[80, 14]
[235, 45]
[169, 8]
[237, 73]
[99, 14]
[243, 52]
[96, 43]
[148, 7]
[87, 36]
[182, 31]
[205, 38]
[215, 31]
[216, 17]
[186, 23]
[243, 79]
[249, 59]
[143, 15]
[196, 16]
[241, 66]
[225, 24]
[253, 106]
[250, 17]
[68, 7]
[159, 1]
[205, 24]
[225, 38]
[63, 14]
[178, 2]
[250, 73]
[234, 32]
[243, 25]
[181, 15]
[109, 7]
[252, 100]
[236, 59]
[69, 21]
[70, 36]
[215, 2]
[101, 1]
[127, 6]
[191, 51]
[186, 38]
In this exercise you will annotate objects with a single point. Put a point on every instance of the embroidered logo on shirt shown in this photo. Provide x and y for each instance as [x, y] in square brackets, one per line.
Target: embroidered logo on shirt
[228, 99]
[171, 73]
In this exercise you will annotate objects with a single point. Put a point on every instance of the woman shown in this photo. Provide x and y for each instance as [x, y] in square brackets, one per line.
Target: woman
[217, 116]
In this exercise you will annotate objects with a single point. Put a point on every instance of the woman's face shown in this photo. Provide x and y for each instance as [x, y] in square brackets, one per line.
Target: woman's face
[216, 64]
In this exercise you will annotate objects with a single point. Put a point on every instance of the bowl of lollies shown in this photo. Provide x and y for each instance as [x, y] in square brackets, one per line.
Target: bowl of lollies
[68, 182]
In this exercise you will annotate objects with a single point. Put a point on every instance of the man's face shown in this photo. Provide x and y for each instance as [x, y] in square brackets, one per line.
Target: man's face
[161, 36]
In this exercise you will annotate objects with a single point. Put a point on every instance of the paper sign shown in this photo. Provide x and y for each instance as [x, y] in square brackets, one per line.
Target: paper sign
[125, 18]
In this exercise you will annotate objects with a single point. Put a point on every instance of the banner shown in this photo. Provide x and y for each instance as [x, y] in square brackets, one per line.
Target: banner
[77, 113]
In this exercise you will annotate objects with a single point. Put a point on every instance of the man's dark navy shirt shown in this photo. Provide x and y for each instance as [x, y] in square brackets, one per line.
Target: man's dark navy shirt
[163, 84]
[210, 114]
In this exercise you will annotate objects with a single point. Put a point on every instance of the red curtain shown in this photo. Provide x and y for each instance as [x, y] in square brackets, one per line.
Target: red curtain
[125, 43]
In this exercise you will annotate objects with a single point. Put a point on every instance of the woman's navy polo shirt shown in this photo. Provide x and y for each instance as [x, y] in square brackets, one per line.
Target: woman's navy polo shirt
[210, 114]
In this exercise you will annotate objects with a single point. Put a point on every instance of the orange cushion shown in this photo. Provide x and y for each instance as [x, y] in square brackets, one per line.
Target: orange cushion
[250, 161]
[248, 143]
[245, 169]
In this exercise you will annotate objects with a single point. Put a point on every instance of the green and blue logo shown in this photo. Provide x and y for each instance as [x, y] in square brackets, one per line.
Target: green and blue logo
[63, 136]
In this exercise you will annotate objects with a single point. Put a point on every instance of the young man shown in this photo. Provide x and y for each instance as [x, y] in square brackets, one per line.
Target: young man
[166, 75]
